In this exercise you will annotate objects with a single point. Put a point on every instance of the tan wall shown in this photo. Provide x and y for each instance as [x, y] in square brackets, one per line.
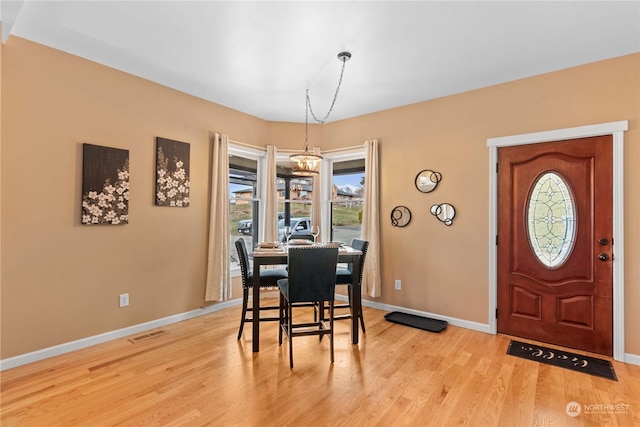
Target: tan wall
[60, 280]
[444, 270]
[1, 46]
[290, 136]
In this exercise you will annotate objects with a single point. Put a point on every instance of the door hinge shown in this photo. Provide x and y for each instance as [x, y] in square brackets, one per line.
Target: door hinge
[497, 167]
[496, 240]
[496, 313]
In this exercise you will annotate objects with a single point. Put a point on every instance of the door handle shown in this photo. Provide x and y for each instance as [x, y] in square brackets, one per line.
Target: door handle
[603, 257]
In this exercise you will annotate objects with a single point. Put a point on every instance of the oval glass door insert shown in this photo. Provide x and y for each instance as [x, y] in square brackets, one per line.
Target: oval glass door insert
[551, 220]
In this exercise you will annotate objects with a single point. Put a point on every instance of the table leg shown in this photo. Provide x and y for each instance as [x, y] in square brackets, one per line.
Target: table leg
[356, 301]
[256, 306]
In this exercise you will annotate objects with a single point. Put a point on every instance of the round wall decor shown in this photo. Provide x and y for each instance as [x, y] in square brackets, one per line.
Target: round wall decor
[444, 212]
[400, 216]
[427, 180]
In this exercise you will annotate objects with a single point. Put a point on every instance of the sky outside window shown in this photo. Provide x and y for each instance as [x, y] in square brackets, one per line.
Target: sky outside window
[351, 181]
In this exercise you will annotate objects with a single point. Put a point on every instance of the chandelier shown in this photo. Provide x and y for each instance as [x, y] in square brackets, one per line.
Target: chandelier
[307, 163]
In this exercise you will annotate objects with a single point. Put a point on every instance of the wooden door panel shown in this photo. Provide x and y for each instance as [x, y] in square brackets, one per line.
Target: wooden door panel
[525, 303]
[576, 311]
[569, 303]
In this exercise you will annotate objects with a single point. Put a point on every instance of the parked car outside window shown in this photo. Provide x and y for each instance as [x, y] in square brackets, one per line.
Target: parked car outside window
[300, 228]
[245, 226]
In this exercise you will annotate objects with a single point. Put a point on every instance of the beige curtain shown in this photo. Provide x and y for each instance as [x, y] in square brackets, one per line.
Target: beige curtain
[218, 282]
[371, 221]
[271, 198]
[316, 200]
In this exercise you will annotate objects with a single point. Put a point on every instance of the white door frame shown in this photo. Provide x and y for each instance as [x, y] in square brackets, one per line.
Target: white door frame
[616, 129]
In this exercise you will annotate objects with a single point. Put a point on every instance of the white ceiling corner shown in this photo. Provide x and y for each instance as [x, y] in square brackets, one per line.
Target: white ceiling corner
[259, 56]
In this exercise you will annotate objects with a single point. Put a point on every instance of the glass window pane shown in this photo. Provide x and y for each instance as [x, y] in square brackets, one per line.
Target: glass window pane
[294, 200]
[348, 186]
[300, 188]
[243, 204]
[551, 220]
[242, 220]
[299, 218]
[347, 200]
[346, 221]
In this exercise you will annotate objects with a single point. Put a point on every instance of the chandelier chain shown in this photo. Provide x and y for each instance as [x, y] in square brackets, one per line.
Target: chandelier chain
[308, 164]
[306, 124]
[335, 96]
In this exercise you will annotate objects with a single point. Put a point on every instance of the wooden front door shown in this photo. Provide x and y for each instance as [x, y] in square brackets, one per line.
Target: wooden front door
[555, 248]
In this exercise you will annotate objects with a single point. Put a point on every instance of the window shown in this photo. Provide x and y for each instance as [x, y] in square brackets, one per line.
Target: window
[341, 194]
[294, 200]
[243, 203]
[346, 200]
[551, 220]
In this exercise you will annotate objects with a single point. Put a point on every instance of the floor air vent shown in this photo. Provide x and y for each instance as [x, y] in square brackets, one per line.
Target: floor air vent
[147, 336]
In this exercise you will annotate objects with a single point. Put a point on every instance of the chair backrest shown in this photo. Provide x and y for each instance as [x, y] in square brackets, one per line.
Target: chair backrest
[362, 246]
[312, 274]
[243, 258]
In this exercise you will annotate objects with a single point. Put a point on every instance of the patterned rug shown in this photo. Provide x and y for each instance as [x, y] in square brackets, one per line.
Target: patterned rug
[564, 359]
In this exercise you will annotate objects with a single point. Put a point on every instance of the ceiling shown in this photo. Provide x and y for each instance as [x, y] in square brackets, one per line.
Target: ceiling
[260, 57]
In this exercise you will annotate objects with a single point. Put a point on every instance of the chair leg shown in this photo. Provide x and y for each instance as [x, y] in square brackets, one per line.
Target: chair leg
[245, 299]
[290, 333]
[331, 326]
[360, 316]
[362, 320]
[320, 317]
[281, 321]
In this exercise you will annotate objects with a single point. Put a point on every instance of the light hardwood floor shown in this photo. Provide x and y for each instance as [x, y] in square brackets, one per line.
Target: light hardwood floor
[198, 374]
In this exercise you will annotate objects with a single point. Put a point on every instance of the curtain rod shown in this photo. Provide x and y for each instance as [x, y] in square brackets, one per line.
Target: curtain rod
[244, 144]
[337, 150]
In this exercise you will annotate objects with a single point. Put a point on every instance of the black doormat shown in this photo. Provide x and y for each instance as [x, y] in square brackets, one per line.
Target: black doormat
[564, 359]
[428, 324]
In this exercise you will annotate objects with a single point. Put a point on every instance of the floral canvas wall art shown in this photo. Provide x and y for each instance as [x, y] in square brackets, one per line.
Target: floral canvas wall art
[105, 185]
[172, 173]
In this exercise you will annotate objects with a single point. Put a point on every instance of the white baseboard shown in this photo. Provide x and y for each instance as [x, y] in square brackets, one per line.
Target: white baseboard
[632, 359]
[480, 327]
[23, 359]
[46, 353]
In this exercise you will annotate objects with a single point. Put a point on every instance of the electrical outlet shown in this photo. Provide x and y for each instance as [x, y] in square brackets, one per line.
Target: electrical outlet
[398, 284]
[124, 300]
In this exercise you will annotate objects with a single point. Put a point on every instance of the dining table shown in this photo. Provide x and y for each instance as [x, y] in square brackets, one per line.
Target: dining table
[278, 256]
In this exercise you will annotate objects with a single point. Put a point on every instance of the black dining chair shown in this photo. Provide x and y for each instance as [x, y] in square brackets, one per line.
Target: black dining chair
[312, 279]
[268, 279]
[344, 276]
